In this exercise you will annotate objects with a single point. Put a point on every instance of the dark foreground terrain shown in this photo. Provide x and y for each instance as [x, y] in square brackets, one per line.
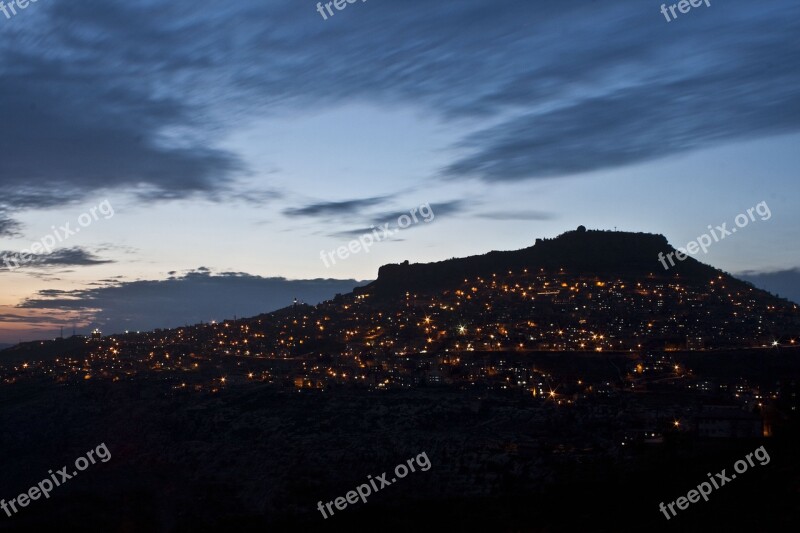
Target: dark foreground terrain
[259, 458]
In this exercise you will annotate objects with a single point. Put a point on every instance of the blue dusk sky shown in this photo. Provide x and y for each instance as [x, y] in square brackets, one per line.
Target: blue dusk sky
[236, 141]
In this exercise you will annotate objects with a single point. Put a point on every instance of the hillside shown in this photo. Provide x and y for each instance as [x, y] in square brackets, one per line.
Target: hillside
[580, 252]
[581, 291]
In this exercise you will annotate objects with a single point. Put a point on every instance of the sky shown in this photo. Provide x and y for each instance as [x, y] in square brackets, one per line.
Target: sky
[193, 160]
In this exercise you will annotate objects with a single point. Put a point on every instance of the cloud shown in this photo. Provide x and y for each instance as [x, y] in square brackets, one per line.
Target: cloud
[346, 234]
[75, 256]
[9, 318]
[195, 296]
[96, 137]
[327, 209]
[630, 126]
[8, 226]
[452, 207]
[137, 95]
[517, 215]
[783, 283]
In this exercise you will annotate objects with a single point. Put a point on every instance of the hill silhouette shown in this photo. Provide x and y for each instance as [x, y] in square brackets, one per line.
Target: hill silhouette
[580, 252]
[550, 296]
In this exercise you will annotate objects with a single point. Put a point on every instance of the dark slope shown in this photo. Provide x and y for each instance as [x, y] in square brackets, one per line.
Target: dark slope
[578, 252]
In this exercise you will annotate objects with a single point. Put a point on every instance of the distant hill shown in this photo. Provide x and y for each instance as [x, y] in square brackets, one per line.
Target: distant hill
[785, 283]
[580, 252]
[584, 290]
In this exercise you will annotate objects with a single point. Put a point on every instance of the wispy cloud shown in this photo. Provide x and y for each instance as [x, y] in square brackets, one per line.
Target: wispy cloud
[8, 226]
[327, 209]
[445, 209]
[75, 256]
[118, 98]
[517, 215]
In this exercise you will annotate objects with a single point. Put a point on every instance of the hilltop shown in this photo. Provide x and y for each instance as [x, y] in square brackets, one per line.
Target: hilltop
[579, 252]
[581, 291]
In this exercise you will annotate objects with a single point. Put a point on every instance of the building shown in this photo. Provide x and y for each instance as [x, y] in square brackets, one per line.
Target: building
[728, 422]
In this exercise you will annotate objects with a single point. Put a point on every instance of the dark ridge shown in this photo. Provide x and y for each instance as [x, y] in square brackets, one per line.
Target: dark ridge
[580, 251]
